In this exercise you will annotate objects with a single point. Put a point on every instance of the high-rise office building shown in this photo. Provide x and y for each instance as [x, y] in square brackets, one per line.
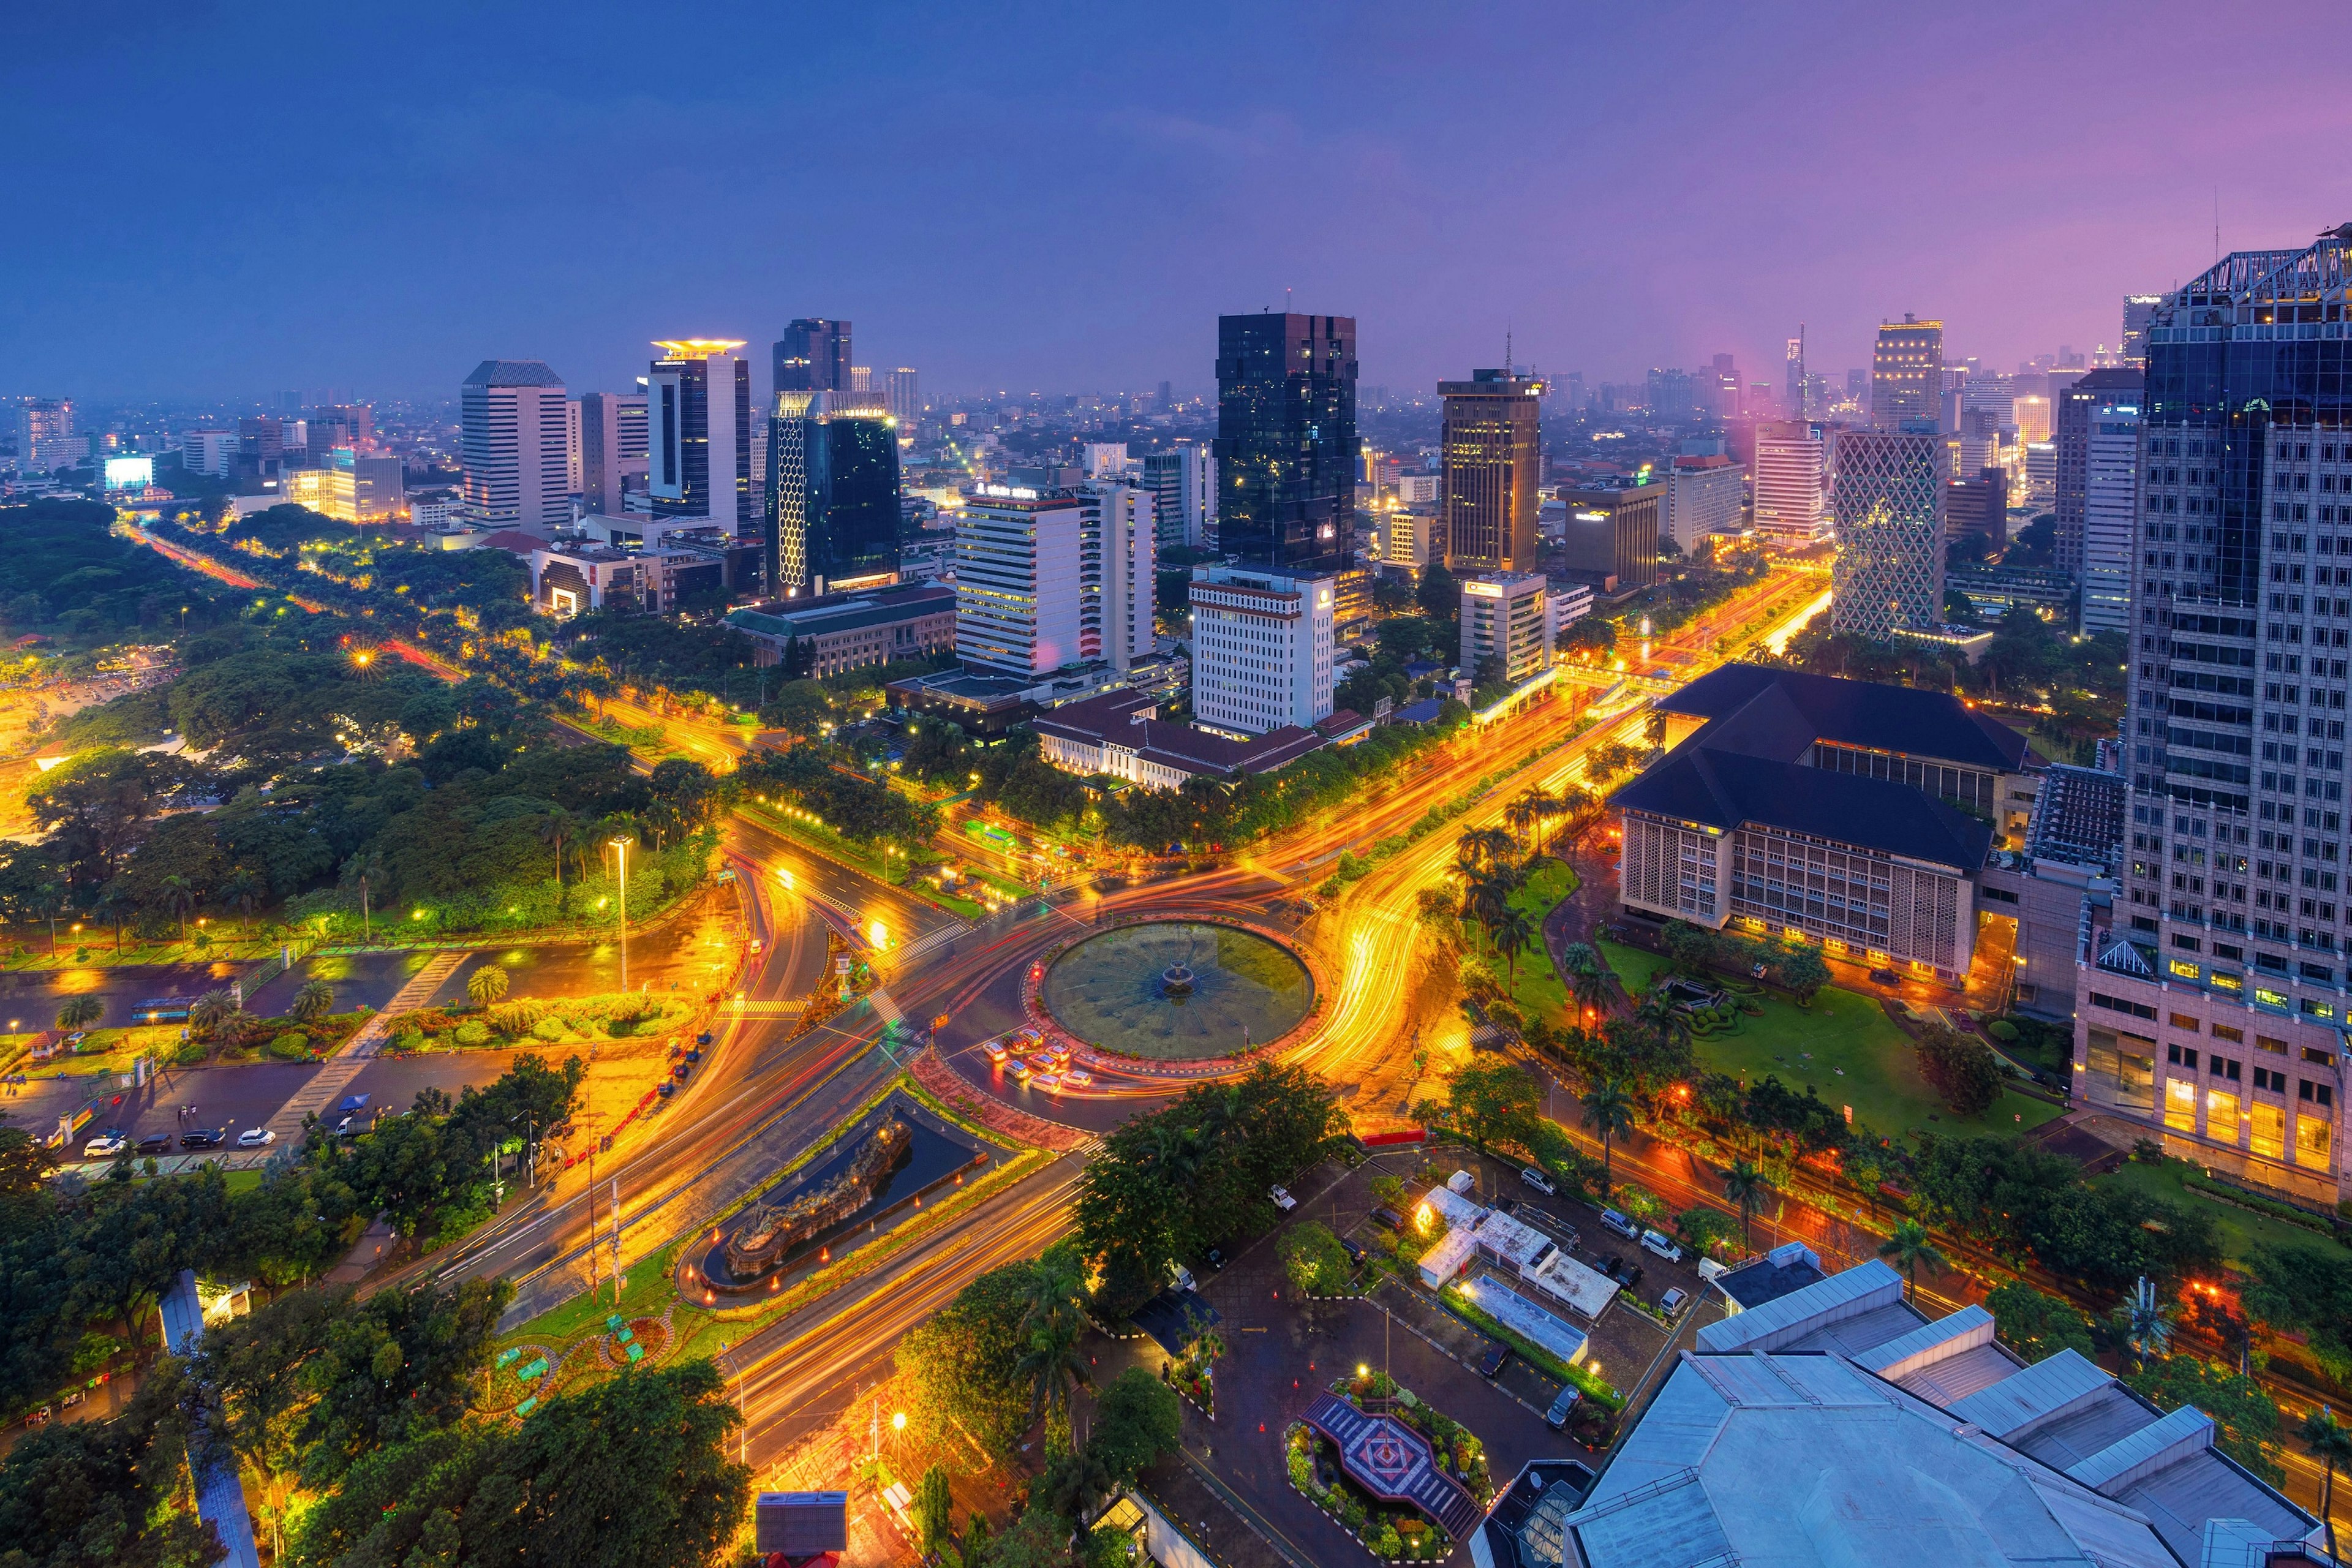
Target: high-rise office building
[699, 424]
[1184, 485]
[1886, 503]
[45, 434]
[861, 378]
[905, 402]
[612, 451]
[2110, 512]
[1491, 446]
[813, 356]
[2217, 983]
[2077, 405]
[2138, 309]
[1114, 572]
[1017, 583]
[1906, 373]
[2040, 474]
[510, 435]
[1792, 481]
[1286, 444]
[1703, 496]
[1796, 372]
[1505, 618]
[1611, 531]
[2029, 416]
[1261, 645]
[832, 503]
[348, 425]
[572, 481]
[212, 453]
[1673, 394]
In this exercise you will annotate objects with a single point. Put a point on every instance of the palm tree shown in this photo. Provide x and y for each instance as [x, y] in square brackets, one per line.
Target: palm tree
[81, 1012]
[179, 896]
[114, 901]
[1743, 1184]
[486, 984]
[1908, 1247]
[49, 898]
[1485, 898]
[1527, 812]
[1484, 847]
[316, 999]
[1662, 1016]
[2330, 1442]
[1514, 931]
[1587, 982]
[554, 827]
[1053, 1316]
[365, 872]
[1074, 1482]
[213, 1009]
[2147, 1321]
[1608, 1111]
[244, 888]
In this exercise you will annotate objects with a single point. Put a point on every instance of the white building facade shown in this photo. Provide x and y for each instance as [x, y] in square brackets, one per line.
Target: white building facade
[1183, 484]
[513, 435]
[1702, 497]
[1116, 559]
[2110, 508]
[1261, 650]
[1791, 483]
[1018, 582]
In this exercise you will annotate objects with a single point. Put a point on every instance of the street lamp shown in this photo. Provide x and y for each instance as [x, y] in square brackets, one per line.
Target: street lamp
[621, 848]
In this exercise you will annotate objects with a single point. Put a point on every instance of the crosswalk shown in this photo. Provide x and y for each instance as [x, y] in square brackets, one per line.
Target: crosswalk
[329, 1083]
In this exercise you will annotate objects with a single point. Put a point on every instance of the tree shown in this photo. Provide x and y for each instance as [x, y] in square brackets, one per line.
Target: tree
[1313, 1260]
[487, 984]
[1963, 1069]
[2305, 1291]
[1527, 812]
[255, 1368]
[1492, 1102]
[1744, 1184]
[964, 1362]
[2035, 1324]
[243, 891]
[179, 896]
[1588, 982]
[108, 1494]
[2330, 1442]
[1514, 931]
[2145, 1320]
[1703, 1228]
[1439, 594]
[210, 1010]
[315, 999]
[1137, 1420]
[1073, 1483]
[1802, 970]
[365, 872]
[934, 1509]
[2244, 1414]
[81, 1012]
[1053, 1318]
[1907, 1247]
[1609, 1112]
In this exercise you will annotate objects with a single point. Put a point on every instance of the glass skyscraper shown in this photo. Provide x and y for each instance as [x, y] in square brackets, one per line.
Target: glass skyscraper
[1887, 500]
[698, 429]
[2215, 989]
[813, 356]
[1287, 446]
[833, 493]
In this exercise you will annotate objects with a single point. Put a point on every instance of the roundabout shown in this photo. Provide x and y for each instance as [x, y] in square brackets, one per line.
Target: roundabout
[1177, 990]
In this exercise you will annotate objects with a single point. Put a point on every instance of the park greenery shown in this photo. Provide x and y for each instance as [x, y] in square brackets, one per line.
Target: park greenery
[66, 572]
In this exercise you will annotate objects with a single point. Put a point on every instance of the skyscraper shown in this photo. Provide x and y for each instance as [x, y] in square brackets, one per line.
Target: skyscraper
[813, 356]
[2232, 927]
[831, 511]
[1184, 485]
[1017, 588]
[45, 434]
[2110, 504]
[698, 410]
[1673, 394]
[511, 436]
[1906, 373]
[1493, 444]
[1793, 486]
[1287, 446]
[906, 402]
[2137, 311]
[1887, 505]
[2073, 415]
[1796, 353]
[613, 449]
[1114, 572]
[1261, 649]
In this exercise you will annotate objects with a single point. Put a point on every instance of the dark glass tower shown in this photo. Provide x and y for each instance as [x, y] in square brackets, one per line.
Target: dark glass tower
[1287, 446]
[813, 356]
[833, 493]
[699, 428]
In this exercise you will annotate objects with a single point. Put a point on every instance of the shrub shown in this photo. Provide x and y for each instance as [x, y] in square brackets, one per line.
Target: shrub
[292, 1046]
[1963, 1069]
[2001, 1029]
[548, 1029]
[471, 1032]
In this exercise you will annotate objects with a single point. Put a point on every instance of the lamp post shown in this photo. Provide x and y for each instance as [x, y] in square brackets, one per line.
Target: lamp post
[621, 848]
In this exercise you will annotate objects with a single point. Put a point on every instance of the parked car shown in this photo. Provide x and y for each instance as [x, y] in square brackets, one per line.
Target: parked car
[1216, 1256]
[1388, 1218]
[1281, 1198]
[1663, 1244]
[1673, 1302]
[1539, 1180]
[1017, 1070]
[201, 1138]
[256, 1138]
[1626, 1274]
[1355, 1250]
[105, 1146]
[1612, 1220]
[1491, 1365]
[156, 1144]
[1561, 1408]
[1886, 977]
[703, 1039]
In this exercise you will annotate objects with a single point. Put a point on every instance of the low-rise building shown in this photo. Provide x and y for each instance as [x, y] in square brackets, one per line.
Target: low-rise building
[1506, 617]
[2059, 883]
[1613, 526]
[1120, 734]
[569, 579]
[836, 632]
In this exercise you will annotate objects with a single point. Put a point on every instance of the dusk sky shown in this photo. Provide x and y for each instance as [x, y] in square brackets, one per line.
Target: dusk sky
[224, 200]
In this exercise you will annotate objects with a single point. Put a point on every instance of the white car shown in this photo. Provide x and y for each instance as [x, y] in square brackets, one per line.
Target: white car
[1661, 1245]
[1282, 1199]
[256, 1138]
[106, 1145]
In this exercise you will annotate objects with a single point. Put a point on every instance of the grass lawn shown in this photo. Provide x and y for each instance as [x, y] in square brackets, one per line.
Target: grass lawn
[1843, 1029]
[1537, 989]
[2242, 1231]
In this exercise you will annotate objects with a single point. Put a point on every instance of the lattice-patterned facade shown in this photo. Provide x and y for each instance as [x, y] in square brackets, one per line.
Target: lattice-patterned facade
[1887, 503]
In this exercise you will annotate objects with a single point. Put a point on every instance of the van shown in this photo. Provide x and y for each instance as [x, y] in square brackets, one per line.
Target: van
[1612, 1220]
[1181, 1277]
[1539, 1180]
[1556, 1416]
[1661, 1245]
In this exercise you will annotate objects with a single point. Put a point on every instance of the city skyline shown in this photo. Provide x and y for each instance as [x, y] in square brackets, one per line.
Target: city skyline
[454, 223]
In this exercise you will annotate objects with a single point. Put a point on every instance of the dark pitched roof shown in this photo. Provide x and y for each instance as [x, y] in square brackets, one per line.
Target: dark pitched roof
[1697, 783]
[513, 373]
[1115, 716]
[1856, 713]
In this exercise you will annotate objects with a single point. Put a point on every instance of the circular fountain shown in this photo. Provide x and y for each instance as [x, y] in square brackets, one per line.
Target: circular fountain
[1171, 990]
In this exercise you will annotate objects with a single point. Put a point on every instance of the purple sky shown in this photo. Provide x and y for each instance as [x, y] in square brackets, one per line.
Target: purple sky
[230, 199]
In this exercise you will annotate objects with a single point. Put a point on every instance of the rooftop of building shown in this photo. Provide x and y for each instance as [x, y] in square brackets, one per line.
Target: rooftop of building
[1705, 784]
[2080, 816]
[1130, 719]
[1852, 713]
[1609, 487]
[1784, 1271]
[1838, 1424]
[828, 613]
[513, 373]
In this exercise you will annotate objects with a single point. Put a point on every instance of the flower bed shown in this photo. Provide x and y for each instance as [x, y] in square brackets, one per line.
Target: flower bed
[1459, 1451]
[1535, 1355]
[1382, 1528]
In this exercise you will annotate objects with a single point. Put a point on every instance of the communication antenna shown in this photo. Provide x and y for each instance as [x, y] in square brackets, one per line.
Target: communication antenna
[1506, 354]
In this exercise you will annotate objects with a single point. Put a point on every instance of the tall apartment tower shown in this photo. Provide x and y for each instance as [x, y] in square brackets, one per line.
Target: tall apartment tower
[1887, 505]
[2138, 309]
[1261, 648]
[1017, 584]
[612, 450]
[2110, 512]
[1184, 485]
[1906, 373]
[1114, 572]
[699, 416]
[832, 504]
[1796, 353]
[1286, 446]
[1792, 481]
[45, 434]
[2215, 986]
[511, 429]
[905, 402]
[1492, 442]
[813, 356]
[2071, 418]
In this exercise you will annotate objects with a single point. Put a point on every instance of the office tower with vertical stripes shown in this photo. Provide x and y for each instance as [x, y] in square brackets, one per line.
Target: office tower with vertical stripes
[511, 436]
[1492, 440]
[699, 413]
